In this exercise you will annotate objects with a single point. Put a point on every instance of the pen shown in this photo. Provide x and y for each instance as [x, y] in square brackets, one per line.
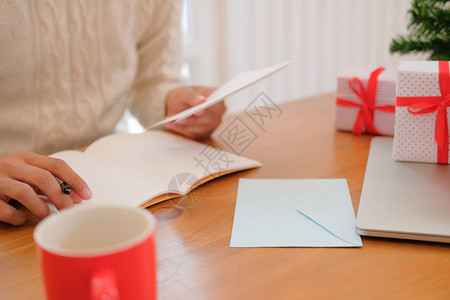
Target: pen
[65, 188]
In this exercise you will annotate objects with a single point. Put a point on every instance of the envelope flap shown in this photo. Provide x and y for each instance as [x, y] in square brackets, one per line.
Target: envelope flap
[332, 210]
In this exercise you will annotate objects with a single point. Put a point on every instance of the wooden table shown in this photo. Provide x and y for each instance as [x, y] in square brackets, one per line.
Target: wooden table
[196, 262]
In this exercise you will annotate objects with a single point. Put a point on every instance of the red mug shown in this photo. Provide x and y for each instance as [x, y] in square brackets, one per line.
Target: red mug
[98, 252]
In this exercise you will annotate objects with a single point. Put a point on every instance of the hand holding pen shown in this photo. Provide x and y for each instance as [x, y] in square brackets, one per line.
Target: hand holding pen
[65, 188]
[25, 175]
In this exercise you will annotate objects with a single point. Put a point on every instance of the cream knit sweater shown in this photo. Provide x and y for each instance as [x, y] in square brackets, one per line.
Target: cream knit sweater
[69, 68]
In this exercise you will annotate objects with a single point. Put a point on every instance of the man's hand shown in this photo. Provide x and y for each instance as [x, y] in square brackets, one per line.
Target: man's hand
[204, 122]
[25, 175]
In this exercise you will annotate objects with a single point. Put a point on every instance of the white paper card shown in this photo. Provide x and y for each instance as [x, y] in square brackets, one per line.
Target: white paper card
[233, 86]
[294, 213]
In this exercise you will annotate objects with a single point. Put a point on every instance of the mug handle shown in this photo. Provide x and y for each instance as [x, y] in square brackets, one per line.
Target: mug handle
[103, 283]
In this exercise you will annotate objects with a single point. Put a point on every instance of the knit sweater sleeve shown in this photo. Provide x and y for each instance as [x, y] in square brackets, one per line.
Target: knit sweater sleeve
[159, 60]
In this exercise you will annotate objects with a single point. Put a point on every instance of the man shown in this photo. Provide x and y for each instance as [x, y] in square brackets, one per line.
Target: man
[68, 71]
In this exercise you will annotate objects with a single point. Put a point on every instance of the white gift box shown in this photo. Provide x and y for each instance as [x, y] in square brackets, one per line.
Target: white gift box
[349, 103]
[419, 100]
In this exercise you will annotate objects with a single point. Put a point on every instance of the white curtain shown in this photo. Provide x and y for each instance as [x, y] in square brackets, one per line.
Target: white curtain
[320, 37]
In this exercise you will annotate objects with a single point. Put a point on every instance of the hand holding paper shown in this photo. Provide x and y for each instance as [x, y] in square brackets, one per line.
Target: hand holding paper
[204, 122]
[236, 84]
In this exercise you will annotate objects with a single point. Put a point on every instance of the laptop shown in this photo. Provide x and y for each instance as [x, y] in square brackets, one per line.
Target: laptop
[403, 200]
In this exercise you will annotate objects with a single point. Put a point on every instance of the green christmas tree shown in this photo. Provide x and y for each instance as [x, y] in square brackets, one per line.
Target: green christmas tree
[429, 30]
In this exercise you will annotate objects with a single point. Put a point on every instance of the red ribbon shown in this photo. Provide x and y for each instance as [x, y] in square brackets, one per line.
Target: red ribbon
[426, 105]
[367, 106]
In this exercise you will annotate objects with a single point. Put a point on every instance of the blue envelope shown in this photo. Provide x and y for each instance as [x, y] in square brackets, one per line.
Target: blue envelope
[294, 213]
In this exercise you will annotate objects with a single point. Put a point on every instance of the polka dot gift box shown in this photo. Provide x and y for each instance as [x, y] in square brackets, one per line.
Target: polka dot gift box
[422, 112]
[365, 100]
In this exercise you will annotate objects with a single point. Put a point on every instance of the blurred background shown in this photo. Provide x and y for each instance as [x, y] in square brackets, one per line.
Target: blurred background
[320, 37]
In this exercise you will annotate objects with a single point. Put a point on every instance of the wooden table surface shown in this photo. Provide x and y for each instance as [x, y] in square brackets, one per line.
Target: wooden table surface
[193, 237]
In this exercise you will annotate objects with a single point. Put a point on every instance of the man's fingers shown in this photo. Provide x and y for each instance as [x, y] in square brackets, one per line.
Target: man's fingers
[62, 170]
[188, 98]
[23, 193]
[194, 131]
[210, 114]
[197, 121]
[216, 110]
[45, 182]
[202, 123]
[75, 198]
[204, 90]
[4, 198]
[200, 113]
[212, 118]
[196, 100]
[11, 215]
[197, 127]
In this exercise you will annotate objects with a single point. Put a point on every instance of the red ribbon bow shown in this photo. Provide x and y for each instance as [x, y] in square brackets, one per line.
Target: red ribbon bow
[426, 105]
[367, 106]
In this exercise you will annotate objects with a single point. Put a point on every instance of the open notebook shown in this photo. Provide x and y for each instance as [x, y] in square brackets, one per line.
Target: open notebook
[147, 168]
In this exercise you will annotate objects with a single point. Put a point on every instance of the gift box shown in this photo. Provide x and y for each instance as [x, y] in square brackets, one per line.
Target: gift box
[421, 112]
[365, 100]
